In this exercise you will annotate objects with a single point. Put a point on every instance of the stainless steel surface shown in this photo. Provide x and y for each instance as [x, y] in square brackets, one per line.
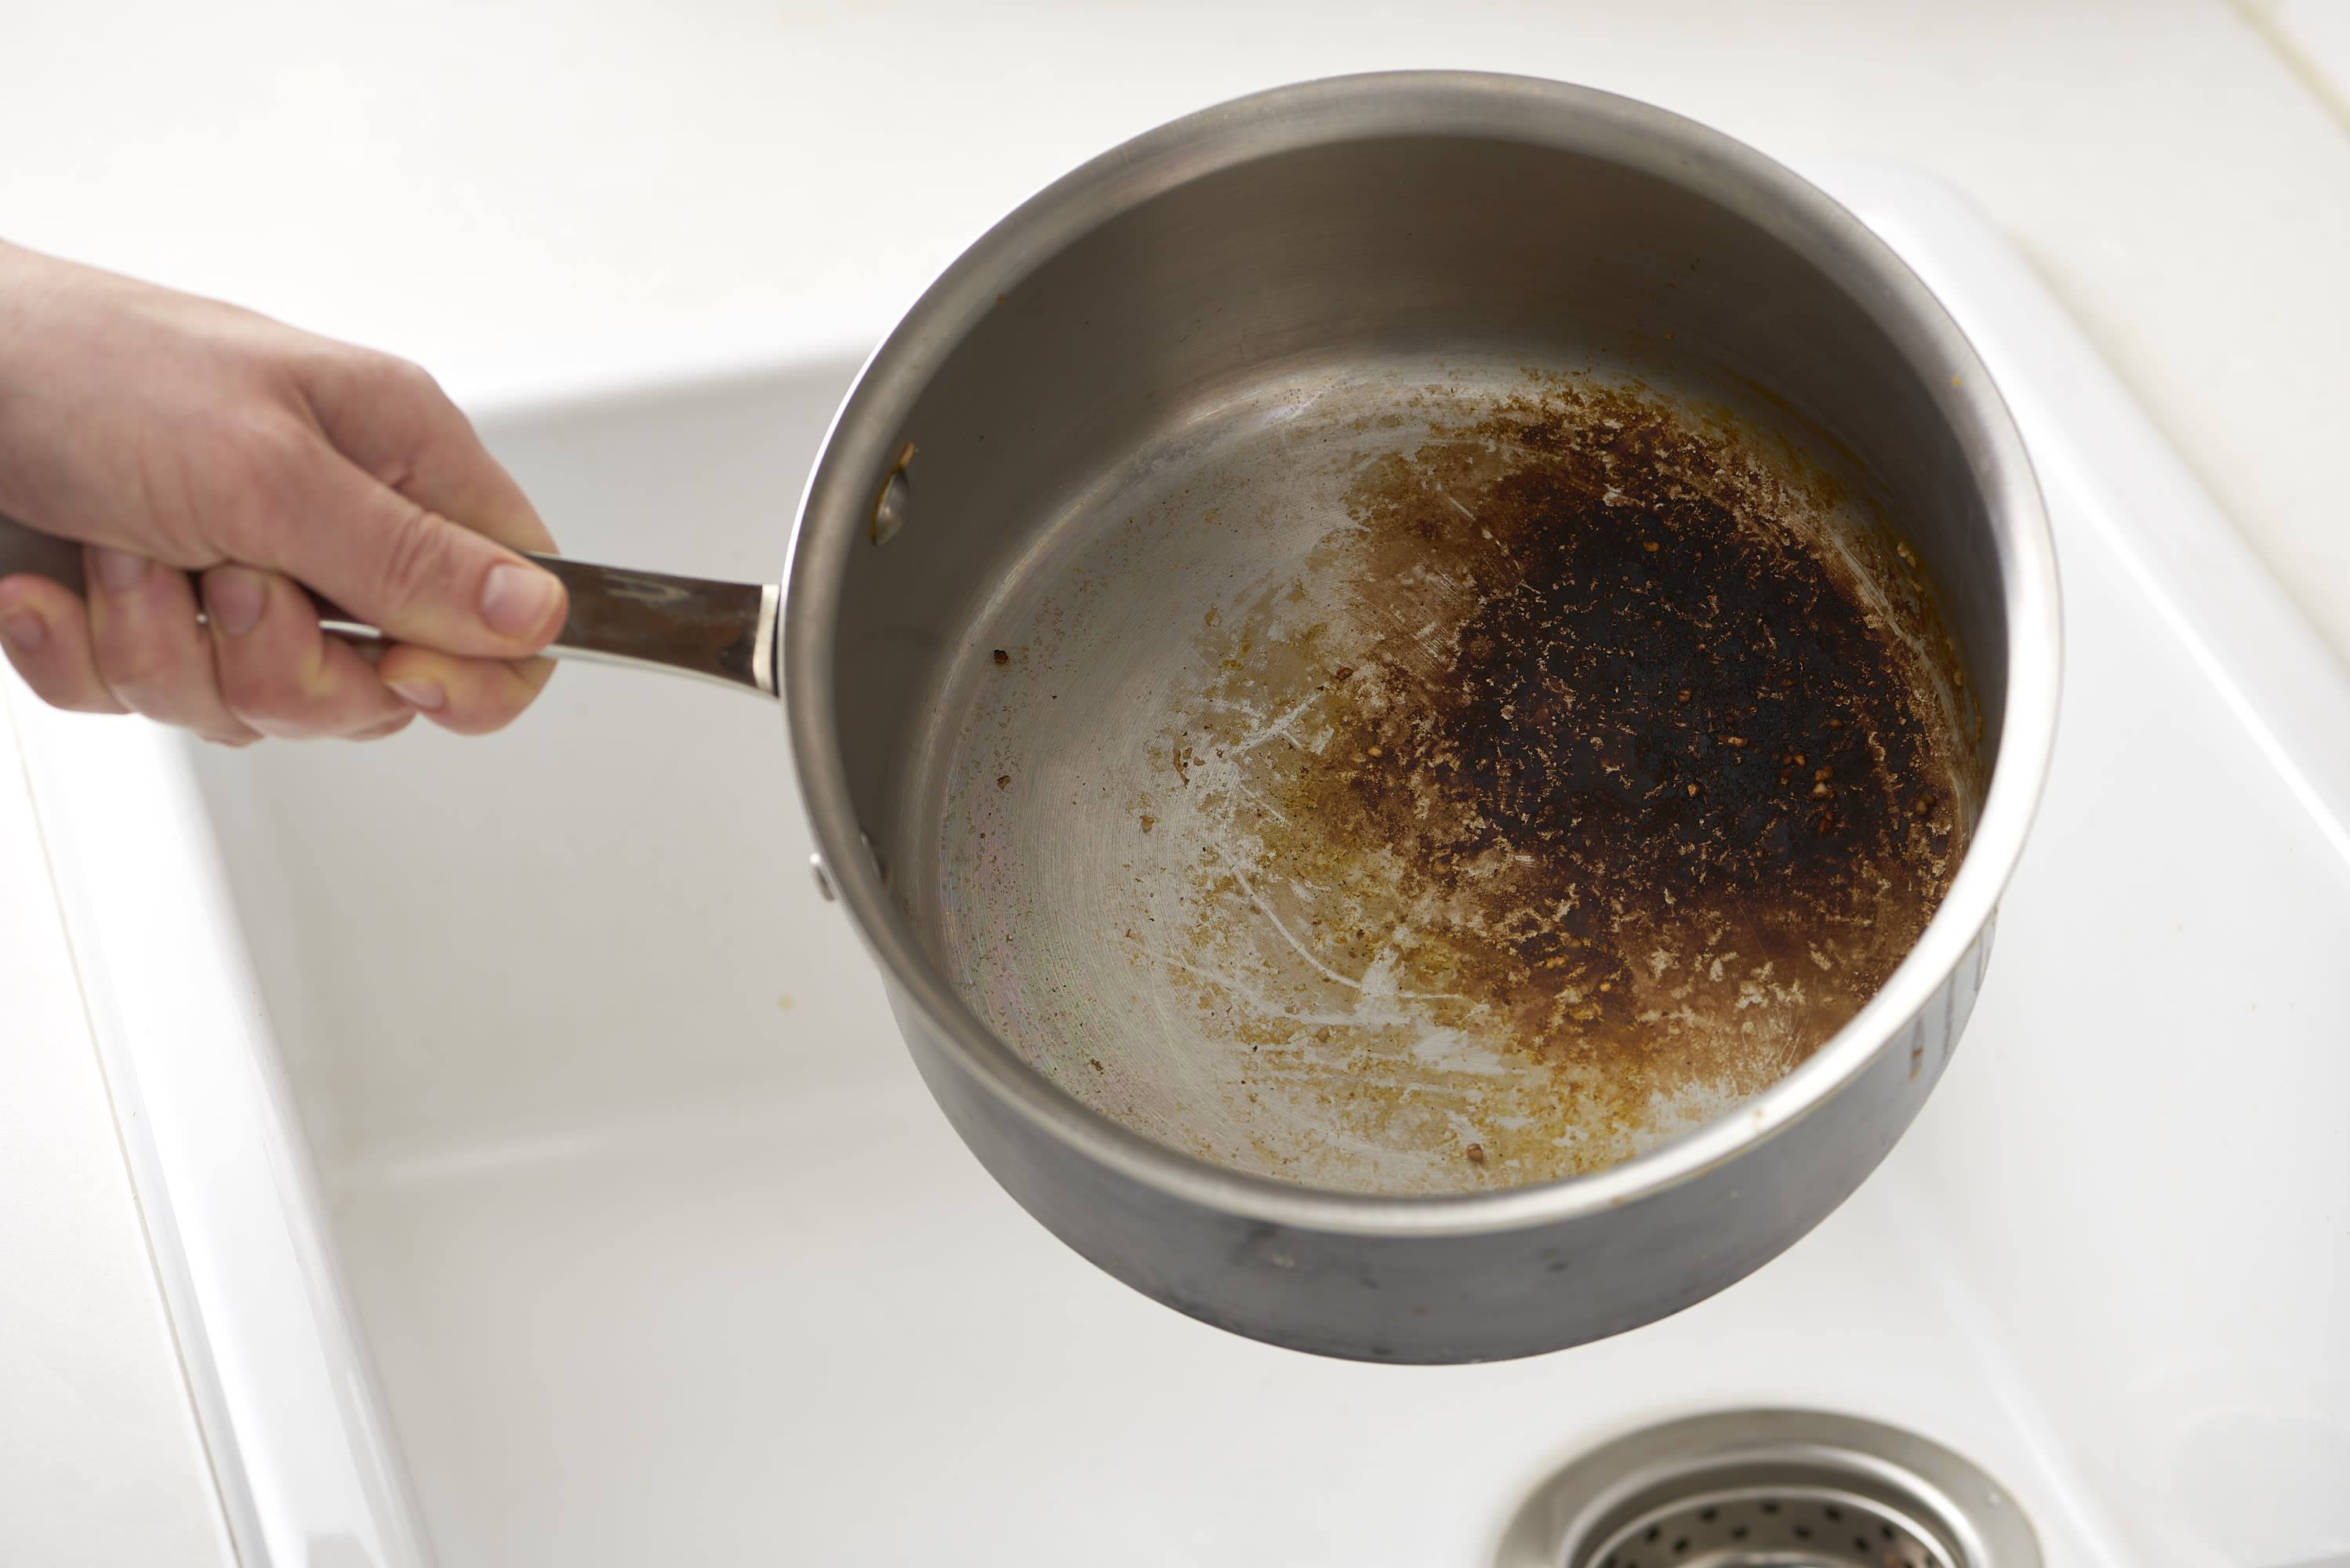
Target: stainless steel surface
[1746, 1487]
[764, 639]
[896, 496]
[1191, 282]
[1295, 263]
[1308, 812]
[1731, 1525]
[719, 632]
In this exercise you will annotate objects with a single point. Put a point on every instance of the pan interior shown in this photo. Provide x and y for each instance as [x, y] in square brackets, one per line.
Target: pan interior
[1447, 772]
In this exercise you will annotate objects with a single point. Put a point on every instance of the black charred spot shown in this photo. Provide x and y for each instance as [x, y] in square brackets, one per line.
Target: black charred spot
[1658, 719]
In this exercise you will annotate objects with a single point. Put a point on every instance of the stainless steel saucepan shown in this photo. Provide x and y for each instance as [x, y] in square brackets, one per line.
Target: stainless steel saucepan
[1424, 686]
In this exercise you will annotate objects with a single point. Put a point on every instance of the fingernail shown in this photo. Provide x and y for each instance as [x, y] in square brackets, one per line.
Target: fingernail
[426, 694]
[234, 599]
[516, 600]
[24, 631]
[119, 571]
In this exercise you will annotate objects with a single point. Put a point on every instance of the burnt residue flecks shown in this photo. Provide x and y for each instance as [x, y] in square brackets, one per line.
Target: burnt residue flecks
[1612, 763]
[1545, 767]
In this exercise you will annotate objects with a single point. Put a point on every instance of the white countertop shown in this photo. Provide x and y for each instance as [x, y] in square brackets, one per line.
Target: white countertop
[485, 184]
[462, 179]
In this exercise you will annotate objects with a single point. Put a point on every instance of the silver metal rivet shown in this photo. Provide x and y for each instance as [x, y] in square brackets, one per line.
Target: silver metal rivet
[890, 502]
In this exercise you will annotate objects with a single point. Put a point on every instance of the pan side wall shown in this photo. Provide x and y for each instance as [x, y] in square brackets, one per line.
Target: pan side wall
[1447, 1299]
[1120, 308]
[1382, 247]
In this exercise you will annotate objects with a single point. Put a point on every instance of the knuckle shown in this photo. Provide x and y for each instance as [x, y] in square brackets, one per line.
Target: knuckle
[276, 448]
[72, 688]
[135, 655]
[420, 559]
[331, 357]
[252, 491]
[324, 691]
[269, 696]
[80, 697]
[407, 379]
[389, 381]
[221, 727]
[127, 661]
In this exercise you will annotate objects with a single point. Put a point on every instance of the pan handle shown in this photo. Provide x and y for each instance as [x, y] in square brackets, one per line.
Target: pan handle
[721, 631]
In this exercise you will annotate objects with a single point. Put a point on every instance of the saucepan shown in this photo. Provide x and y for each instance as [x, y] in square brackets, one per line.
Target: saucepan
[1424, 687]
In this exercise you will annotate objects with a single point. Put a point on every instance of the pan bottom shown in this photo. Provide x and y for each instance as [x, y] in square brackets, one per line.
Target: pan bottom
[1452, 776]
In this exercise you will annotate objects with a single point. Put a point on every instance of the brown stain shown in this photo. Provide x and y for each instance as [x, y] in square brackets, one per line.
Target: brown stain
[1610, 762]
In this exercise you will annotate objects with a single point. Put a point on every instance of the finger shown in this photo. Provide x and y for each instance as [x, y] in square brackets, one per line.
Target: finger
[419, 576]
[468, 696]
[381, 731]
[150, 648]
[45, 631]
[278, 672]
[393, 421]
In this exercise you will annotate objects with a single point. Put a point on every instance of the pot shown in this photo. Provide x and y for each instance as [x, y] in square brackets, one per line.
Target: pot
[1088, 543]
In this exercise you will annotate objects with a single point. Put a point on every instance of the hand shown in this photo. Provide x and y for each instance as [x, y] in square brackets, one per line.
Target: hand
[206, 455]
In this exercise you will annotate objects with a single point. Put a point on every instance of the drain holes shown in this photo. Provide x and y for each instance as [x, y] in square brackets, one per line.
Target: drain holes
[1773, 1524]
[1769, 1489]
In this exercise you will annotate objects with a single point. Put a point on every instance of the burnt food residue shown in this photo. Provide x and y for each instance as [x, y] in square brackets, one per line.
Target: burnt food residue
[1614, 769]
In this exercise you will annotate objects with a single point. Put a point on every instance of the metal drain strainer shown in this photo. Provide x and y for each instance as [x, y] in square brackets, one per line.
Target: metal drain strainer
[1770, 1524]
[1769, 1489]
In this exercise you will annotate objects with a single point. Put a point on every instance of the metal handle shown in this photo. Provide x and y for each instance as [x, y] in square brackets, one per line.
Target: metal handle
[720, 631]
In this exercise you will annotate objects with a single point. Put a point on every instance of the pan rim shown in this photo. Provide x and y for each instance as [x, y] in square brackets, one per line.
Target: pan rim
[1446, 105]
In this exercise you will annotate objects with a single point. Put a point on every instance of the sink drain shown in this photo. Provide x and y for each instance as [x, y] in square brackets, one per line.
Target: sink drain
[1775, 1524]
[1769, 1489]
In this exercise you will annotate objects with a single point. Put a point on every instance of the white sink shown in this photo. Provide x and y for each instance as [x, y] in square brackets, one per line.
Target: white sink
[596, 1143]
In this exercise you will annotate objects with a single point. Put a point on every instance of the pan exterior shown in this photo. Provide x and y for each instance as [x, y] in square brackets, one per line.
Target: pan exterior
[1478, 1295]
[1210, 254]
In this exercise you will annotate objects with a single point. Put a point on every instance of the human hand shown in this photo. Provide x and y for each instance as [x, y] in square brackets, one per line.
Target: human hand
[204, 455]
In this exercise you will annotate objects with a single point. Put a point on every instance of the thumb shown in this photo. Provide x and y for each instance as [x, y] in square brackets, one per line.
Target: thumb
[421, 577]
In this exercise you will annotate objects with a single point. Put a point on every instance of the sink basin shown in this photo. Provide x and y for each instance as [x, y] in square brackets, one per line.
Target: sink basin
[567, 1198]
